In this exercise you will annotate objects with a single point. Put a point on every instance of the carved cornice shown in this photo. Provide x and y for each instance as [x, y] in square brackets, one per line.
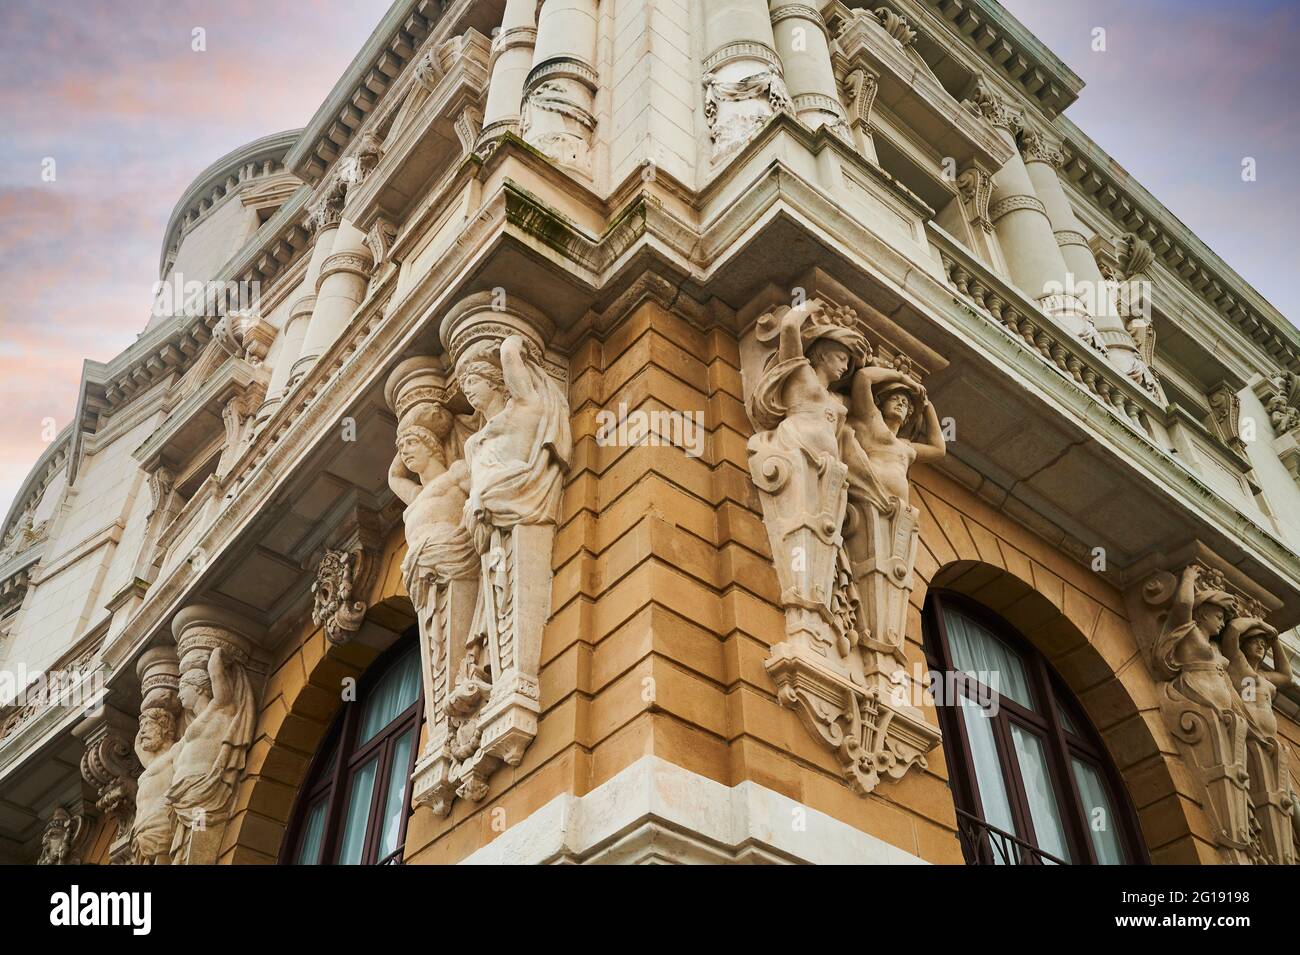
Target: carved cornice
[391, 48]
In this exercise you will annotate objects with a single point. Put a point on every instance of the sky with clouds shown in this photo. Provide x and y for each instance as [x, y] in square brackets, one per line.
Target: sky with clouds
[113, 91]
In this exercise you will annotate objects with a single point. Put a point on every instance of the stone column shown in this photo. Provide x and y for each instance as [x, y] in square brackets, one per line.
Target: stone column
[341, 287]
[1042, 158]
[295, 326]
[803, 44]
[743, 84]
[558, 111]
[512, 58]
[1024, 231]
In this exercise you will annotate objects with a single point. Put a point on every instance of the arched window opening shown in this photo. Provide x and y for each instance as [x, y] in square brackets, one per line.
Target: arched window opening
[353, 807]
[1031, 779]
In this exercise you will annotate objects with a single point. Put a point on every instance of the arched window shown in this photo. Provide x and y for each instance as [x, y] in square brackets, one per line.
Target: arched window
[353, 807]
[1031, 780]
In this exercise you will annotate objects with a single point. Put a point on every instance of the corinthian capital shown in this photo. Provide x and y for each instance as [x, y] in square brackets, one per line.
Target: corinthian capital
[984, 102]
[1036, 146]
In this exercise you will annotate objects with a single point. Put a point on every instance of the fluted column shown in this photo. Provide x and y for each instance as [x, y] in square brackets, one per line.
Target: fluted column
[344, 275]
[743, 85]
[1042, 159]
[804, 47]
[295, 326]
[1024, 231]
[512, 58]
[558, 111]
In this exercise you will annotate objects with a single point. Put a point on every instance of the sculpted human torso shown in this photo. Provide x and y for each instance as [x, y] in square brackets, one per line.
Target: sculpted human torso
[155, 746]
[200, 747]
[882, 402]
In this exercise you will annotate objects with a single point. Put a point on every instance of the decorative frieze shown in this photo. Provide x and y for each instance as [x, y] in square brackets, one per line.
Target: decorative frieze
[837, 425]
[735, 110]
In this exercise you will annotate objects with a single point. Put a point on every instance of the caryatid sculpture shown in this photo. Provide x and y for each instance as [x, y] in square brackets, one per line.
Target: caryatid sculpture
[1247, 641]
[516, 458]
[219, 711]
[441, 567]
[155, 747]
[1181, 626]
[827, 411]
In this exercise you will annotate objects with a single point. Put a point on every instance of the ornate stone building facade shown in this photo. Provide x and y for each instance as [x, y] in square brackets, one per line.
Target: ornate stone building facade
[669, 430]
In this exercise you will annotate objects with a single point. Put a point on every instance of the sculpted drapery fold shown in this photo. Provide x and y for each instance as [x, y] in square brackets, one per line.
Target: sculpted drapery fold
[838, 424]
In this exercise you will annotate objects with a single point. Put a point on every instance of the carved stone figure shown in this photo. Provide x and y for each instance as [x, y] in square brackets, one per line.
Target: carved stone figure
[1284, 405]
[1198, 701]
[219, 712]
[155, 742]
[441, 567]
[59, 840]
[1246, 643]
[831, 471]
[483, 669]
[883, 529]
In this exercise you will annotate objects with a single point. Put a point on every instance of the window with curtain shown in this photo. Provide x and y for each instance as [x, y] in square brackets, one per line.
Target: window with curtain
[1030, 777]
[352, 809]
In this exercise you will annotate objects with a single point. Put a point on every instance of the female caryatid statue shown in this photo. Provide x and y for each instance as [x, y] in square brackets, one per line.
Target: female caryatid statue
[794, 458]
[882, 530]
[220, 714]
[1246, 643]
[1200, 704]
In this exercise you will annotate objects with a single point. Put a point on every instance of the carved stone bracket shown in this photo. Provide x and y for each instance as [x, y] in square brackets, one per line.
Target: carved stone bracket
[62, 837]
[345, 572]
[825, 400]
[110, 765]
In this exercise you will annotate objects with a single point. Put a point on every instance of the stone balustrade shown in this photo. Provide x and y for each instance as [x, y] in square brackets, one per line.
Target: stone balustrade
[994, 298]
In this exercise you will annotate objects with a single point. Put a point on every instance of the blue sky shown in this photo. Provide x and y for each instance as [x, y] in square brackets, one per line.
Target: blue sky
[114, 92]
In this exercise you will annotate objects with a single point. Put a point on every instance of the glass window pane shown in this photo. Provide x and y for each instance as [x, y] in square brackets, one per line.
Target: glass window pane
[397, 690]
[395, 794]
[1042, 796]
[996, 808]
[1064, 716]
[978, 651]
[1103, 827]
[313, 832]
[357, 814]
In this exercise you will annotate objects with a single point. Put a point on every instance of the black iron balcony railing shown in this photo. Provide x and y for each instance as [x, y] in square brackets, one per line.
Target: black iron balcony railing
[986, 844]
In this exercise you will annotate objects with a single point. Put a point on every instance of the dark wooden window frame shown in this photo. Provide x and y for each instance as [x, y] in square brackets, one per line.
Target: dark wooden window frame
[336, 785]
[1049, 692]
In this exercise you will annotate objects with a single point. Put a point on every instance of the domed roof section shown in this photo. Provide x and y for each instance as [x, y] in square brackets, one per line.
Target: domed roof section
[223, 207]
